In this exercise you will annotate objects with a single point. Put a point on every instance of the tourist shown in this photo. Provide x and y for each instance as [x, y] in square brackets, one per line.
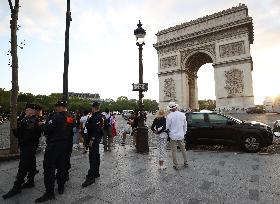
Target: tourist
[125, 130]
[28, 134]
[107, 130]
[83, 129]
[76, 130]
[159, 128]
[133, 121]
[177, 125]
[114, 128]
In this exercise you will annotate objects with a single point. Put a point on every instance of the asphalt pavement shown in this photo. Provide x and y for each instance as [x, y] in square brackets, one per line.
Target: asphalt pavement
[129, 177]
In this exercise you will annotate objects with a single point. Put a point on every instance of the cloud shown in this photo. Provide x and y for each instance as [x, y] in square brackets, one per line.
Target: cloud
[40, 20]
[102, 43]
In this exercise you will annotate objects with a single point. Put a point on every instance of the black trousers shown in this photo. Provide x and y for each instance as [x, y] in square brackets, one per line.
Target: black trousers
[54, 159]
[94, 160]
[68, 157]
[27, 163]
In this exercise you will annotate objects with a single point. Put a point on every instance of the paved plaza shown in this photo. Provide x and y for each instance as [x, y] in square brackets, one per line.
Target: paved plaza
[128, 177]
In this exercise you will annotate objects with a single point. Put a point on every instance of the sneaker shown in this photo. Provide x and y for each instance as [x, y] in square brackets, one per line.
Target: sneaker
[88, 181]
[123, 143]
[14, 191]
[85, 152]
[45, 197]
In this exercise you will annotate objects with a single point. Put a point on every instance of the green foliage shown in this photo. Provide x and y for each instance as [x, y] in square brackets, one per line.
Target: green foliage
[75, 103]
[207, 104]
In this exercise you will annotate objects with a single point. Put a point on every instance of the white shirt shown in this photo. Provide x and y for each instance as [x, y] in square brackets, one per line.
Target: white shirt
[83, 120]
[177, 125]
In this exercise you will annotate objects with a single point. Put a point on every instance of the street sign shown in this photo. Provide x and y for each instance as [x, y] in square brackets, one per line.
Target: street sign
[140, 87]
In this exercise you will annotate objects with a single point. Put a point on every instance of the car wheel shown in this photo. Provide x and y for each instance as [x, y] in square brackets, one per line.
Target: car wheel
[251, 143]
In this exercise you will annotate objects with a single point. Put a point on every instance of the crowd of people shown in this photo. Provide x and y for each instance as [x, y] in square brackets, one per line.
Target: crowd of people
[64, 131]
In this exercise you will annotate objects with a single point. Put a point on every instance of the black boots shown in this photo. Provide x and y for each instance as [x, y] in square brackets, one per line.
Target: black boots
[60, 189]
[28, 184]
[88, 181]
[45, 197]
[14, 191]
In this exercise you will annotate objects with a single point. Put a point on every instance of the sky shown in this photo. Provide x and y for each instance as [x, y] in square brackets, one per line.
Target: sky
[103, 53]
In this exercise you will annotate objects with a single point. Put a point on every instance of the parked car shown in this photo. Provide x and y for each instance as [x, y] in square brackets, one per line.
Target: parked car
[276, 128]
[255, 110]
[127, 113]
[217, 128]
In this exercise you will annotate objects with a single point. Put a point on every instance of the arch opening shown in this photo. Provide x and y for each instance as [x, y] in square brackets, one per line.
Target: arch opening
[193, 64]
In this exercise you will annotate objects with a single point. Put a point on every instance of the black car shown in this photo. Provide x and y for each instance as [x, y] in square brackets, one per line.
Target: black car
[216, 128]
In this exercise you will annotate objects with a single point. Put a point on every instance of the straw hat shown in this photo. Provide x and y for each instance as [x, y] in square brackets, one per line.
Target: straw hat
[172, 105]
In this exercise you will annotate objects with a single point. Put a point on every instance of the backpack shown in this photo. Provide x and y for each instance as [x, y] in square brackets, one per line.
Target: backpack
[105, 122]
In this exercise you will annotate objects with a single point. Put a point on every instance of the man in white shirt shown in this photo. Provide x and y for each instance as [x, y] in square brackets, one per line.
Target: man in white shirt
[177, 125]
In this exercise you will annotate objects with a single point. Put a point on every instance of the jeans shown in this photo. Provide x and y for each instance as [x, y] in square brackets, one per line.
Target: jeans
[76, 135]
[107, 138]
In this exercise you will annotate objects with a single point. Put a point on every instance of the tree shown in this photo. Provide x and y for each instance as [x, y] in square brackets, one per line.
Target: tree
[14, 92]
[207, 104]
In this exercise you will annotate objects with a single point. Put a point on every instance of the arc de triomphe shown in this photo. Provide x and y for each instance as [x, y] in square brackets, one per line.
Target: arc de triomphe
[223, 39]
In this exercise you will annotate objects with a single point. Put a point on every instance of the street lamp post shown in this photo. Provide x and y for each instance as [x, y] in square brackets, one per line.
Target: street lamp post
[142, 130]
[66, 53]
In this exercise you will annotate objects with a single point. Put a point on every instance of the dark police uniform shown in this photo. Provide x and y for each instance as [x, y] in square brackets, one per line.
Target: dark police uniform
[57, 130]
[28, 134]
[70, 122]
[95, 133]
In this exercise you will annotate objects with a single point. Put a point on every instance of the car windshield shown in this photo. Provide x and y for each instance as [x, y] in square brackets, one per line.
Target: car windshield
[232, 118]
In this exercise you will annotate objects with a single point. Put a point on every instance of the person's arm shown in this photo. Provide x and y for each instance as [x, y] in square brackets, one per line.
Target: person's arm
[168, 122]
[185, 125]
[153, 125]
[49, 126]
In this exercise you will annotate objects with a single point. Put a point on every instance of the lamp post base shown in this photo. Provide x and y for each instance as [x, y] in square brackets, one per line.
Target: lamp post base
[142, 143]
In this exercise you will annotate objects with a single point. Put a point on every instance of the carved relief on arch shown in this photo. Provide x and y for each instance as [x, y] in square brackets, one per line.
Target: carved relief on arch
[167, 62]
[232, 49]
[169, 90]
[234, 82]
[210, 48]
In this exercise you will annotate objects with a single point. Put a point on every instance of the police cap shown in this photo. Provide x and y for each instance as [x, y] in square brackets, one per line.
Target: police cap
[95, 104]
[30, 105]
[61, 103]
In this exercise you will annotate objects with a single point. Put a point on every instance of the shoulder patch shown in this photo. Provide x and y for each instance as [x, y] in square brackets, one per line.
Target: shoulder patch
[69, 120]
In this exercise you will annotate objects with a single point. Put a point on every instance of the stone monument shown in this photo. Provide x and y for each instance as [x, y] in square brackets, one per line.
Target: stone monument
[222, 39]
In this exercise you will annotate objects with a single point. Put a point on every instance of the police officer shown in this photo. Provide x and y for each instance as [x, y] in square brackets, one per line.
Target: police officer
[95, 133]
[57, 129]
[28, 133]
